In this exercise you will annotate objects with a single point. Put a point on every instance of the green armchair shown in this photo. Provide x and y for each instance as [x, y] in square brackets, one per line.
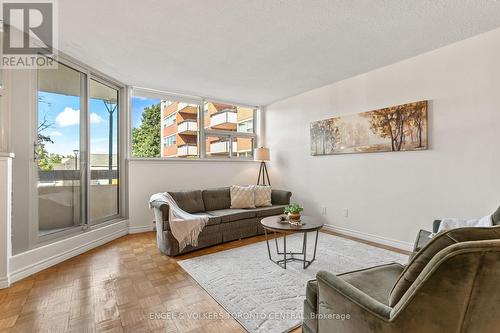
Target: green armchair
[450, 285]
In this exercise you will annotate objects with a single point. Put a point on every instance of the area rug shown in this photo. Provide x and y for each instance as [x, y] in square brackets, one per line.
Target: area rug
[263, 297]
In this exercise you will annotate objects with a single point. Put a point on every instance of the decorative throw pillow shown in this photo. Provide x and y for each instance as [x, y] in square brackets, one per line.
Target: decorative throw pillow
[242, 196]
[262, 196]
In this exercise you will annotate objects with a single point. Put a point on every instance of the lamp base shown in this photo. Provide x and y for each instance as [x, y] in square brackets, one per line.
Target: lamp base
[263, 175]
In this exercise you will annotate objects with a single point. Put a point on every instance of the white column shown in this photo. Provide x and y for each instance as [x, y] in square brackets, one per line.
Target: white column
[5, 216]
[4, 113]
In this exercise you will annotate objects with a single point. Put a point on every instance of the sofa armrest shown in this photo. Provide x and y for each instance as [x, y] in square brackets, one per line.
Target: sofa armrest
[279, 197]
[335, 285]
[161, 212]
[435, 225]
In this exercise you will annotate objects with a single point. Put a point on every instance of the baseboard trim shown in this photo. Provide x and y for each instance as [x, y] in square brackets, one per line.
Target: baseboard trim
[4, 282]
[405, 246]
[53, 260]
[140, 229]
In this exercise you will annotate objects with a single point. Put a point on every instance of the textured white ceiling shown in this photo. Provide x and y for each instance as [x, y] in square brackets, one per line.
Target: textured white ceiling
[259, 51]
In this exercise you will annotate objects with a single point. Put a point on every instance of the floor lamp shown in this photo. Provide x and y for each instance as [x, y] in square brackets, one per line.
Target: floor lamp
[262, 155]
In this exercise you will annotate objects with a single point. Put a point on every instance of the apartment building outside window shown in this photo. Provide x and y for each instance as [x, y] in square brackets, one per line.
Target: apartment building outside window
[229, 130]
[191, 129]
[182, 133]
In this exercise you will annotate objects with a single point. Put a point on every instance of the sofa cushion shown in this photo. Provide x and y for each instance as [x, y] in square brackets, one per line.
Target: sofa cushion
[230, 215]
[216, 198]
[242, 196]
[189, 201]
[375, 281]
[269, 211]
[436, 244]
[262, 195]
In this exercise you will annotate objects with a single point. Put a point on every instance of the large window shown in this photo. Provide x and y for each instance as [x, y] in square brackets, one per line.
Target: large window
[172, 127]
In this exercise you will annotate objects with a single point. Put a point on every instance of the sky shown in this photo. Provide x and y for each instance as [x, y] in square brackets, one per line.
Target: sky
[62, 112]
[138, 105]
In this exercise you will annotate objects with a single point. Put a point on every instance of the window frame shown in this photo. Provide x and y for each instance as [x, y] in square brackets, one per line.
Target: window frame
[168, 117]
[174, 141]
[202, 131]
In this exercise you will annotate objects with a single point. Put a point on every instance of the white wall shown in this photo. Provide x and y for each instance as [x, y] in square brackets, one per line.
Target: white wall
[148, 177]
[393, 195]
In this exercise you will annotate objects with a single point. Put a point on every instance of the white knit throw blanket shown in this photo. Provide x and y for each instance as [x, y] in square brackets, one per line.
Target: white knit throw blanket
[453, 223]
[185, 227]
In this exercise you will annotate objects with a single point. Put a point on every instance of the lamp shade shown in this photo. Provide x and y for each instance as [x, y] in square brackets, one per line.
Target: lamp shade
[261, 154]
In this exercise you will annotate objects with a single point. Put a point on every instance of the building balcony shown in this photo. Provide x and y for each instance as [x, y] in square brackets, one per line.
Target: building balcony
[188, 127]
[187, 150]
[221, 148]
[187, 108]
[224, 120]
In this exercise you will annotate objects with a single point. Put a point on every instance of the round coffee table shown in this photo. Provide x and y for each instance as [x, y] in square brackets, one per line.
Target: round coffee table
[276, 225]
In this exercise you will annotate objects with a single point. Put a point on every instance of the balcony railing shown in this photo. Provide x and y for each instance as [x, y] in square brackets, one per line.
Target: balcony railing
[221, 147]
[187, 150]
[59, 205]
[62, 175]
[224, 120]
[187, 127]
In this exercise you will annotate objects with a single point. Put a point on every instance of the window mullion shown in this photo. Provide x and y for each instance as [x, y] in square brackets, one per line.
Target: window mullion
[230, 146]
[201, 131]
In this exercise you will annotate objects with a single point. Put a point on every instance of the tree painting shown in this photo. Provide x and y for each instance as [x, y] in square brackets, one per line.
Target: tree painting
[395, 128]
[325, 134]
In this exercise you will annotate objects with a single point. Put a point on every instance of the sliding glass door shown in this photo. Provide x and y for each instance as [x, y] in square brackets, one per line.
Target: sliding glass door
[104, 187]
[57, 149]
[76, 150]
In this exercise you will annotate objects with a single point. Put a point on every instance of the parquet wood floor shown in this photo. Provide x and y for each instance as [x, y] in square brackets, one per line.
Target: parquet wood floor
[115, 288]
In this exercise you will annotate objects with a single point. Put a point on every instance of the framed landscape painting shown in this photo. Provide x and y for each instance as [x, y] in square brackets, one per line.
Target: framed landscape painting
[396, 128]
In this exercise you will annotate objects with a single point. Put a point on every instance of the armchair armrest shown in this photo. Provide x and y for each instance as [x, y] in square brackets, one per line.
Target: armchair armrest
[351, 294]
[279, 197]
[435, 225]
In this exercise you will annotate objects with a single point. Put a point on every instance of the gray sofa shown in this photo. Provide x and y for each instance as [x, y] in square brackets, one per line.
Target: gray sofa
[450, 285]
[224, 225]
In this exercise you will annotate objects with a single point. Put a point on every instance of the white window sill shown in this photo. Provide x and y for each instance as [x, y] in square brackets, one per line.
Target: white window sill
[185, 160]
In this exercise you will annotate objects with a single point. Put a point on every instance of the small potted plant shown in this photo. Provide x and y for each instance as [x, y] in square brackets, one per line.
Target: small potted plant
[293, 211]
